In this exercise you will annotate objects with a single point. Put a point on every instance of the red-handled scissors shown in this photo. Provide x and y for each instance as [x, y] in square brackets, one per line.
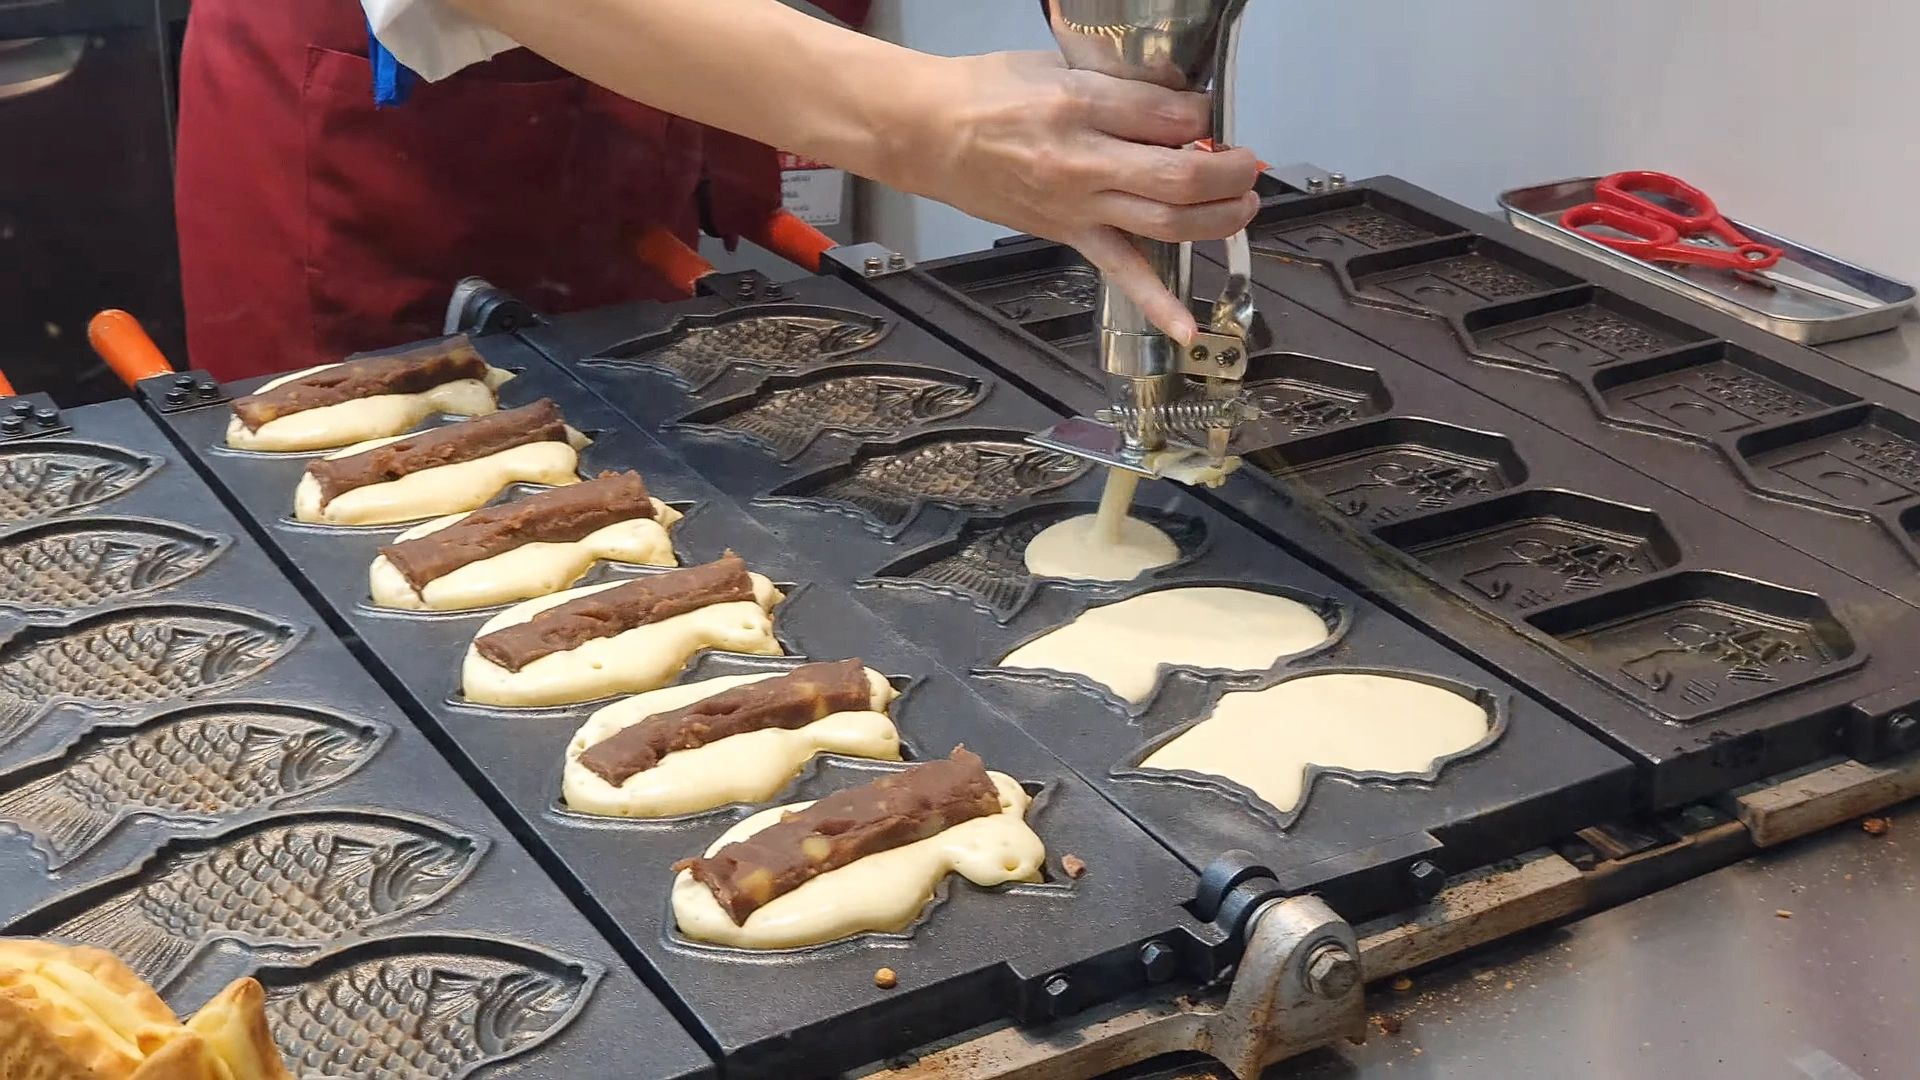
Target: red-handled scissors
[1658, 231]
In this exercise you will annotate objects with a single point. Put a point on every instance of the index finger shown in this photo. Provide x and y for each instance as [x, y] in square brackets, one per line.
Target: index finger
[1143, 112]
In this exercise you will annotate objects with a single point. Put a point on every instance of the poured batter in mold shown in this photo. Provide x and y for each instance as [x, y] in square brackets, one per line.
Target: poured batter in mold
[749, 767]
[533, 569]
[537, 448]
[364, 419]
[1267, 740]
[1123, 646]
[882, 892]
[1103, 546]
[634, 661]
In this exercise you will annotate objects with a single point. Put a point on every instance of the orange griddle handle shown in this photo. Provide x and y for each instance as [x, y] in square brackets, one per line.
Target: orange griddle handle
[681, 265]
[123, 343]
[6, 388]
[794, 240]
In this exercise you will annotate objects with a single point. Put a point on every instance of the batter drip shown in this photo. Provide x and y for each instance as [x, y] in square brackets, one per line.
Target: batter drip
[1104, 546]
[1266, 740]
[1123, 646]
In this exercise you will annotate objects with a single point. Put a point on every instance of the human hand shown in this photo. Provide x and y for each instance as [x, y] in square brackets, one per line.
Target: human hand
[1074, 156]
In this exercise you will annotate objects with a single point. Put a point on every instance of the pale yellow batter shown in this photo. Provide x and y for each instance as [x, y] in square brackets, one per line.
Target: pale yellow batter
[528, 570]
[884, 891]
[749, 767]
[446, 489]
[644, 658]
[1123, 646]
[1105, 546]
[1265, 740]
[375, 417]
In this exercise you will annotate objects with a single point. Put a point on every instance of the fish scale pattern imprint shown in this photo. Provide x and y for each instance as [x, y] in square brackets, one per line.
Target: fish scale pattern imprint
[966, 472]
[42, 480]
[421, 1016]
[788, 420]
[71, 566]
[699, 354]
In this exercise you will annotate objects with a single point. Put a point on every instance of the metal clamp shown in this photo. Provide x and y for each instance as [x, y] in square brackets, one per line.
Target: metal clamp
[868, 260]
[478, 307]
[27, 416]
[178, 393]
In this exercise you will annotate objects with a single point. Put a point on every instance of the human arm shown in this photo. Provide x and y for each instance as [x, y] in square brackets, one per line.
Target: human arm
[1012, 137]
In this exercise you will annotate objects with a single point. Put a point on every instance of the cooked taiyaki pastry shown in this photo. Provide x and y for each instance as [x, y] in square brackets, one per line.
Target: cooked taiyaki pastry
[528, 547]
[335, 405]
[447, 470]
[619, 638]
[737, 738]
[865, 859]
[78, 1013]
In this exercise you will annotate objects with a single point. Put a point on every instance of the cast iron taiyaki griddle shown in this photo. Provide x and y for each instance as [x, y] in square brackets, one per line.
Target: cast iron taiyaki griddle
[60, 566]
[1357, 841]
[139, 655]
[1713, 653]
[700, 348]
[976, 956]
[46, 479]
[1804, 448]
[278, 815]
[421, 1007]
[986, 560]
[788, 412]
[305, 879]
[204, 763]
[966, 469]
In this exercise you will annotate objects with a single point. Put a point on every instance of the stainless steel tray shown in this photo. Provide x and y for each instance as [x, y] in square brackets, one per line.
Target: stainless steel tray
[1806, 315]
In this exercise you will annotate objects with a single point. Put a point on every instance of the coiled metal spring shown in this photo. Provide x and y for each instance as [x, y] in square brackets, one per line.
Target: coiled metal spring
[1192, 416]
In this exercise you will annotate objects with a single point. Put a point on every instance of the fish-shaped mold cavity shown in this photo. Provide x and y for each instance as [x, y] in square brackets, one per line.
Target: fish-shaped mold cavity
[791, 337]
[300, 880]
[986, 560]
[788, 413]
[42, 480]
[205, 763]
[966, 470]
[423, 1007]
[73, 565]
[134, 656]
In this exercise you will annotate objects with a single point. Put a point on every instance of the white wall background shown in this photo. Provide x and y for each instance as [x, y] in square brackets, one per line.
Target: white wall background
[1803, 115]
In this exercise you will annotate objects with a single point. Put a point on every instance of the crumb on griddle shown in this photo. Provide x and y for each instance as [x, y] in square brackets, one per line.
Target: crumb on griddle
[1782, 913]
[885, 979]
[1876, 826]
[1389, 1025]
[1074, 865]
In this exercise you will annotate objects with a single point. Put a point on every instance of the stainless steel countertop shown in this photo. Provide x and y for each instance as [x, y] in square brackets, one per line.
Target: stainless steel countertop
[1703, 979]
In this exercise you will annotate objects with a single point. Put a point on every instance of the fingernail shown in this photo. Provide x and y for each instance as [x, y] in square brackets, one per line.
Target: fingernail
[1183, 332]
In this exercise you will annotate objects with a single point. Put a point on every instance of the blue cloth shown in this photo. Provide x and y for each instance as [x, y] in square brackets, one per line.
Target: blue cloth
[392, 80]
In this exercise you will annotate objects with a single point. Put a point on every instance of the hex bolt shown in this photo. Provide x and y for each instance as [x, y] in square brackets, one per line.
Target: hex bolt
[184, 382]
[872, 266]
[896, 261]
[1338, 179]
[12, 425]
[1159, 961]
[23, 408]
[776, 291]
[1199, 354]
[745, 289]
[209, 391]
[1056, 990]
[1315, 183]
[174, 396]
[1331, 970]
[1903, 732]
[1427, 879]
[46, 417]
[1229, 357]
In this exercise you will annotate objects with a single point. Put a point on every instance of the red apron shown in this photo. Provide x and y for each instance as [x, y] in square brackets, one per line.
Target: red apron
[313, 225]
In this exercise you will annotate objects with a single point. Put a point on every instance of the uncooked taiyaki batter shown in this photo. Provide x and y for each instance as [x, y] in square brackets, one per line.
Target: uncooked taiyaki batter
[1123, 646]
[737, 738]
[529, 547]
[373, 397]
[1104, 546]
[1265, 740]
[619, 638]
[816, 872]
[443, 471]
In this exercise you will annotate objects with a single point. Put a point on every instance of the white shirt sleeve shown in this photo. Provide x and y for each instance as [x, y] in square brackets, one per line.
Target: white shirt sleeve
[431, 37]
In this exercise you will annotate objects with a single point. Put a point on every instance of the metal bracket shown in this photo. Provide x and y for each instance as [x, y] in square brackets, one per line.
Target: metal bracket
[479, 308]
[1307, 177]
[178, 393]
[28, 416]
[1297, 988]
[867, 260]
[744, 287]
